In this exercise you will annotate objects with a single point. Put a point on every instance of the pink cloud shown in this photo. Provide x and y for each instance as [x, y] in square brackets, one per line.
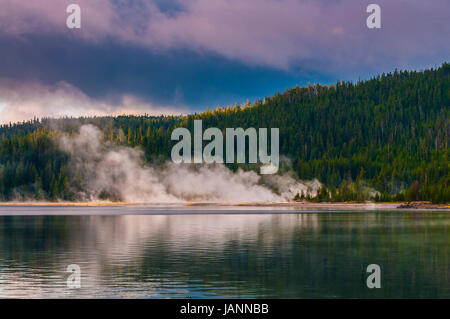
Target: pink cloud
[274, 33]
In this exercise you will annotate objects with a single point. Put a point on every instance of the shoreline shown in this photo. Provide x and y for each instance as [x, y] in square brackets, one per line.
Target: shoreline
[286, 205]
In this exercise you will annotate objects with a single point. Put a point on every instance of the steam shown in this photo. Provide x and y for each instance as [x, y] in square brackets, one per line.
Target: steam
[24, 101]
[106, 170]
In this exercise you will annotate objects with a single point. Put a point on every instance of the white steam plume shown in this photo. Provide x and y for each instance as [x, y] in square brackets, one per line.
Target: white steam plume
[121, 172]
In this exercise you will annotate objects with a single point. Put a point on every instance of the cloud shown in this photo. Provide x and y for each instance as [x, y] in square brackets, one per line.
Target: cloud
[24, 101]
[277, 33]
[120, 171]
[159, 56]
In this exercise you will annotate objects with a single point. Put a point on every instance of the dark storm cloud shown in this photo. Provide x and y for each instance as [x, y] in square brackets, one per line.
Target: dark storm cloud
[176, 77]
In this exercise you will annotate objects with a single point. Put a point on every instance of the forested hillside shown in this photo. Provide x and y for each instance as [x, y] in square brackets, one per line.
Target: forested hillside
[382, 139]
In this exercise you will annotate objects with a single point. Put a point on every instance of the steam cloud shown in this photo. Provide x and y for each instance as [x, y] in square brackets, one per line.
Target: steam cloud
[23, 101]
[121, 172]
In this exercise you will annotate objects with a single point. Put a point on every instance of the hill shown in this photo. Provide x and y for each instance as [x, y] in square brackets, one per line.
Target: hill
[384, 139]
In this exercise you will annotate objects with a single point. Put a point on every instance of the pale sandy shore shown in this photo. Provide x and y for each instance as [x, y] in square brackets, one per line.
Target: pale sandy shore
[355, 206]
[286, 205]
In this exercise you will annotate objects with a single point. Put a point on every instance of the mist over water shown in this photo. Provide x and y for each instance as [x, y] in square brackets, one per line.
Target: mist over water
[121, 172]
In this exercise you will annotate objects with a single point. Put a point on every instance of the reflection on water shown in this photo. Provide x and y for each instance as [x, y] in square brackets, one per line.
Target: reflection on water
[274, 256]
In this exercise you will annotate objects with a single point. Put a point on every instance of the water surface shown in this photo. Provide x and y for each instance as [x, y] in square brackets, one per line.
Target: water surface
[219, 254]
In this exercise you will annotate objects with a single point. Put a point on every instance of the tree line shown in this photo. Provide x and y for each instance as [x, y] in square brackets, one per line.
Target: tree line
[384, 139]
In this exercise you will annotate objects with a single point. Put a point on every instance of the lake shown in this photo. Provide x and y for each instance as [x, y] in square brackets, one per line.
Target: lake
[213, 253]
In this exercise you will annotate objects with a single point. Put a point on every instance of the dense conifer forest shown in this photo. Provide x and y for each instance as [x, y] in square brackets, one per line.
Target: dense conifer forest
[384, 139]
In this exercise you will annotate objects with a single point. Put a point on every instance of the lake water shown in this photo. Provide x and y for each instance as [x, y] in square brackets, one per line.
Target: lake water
[204, 253]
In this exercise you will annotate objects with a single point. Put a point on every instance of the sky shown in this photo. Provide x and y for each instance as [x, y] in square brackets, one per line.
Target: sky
[181, 56]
